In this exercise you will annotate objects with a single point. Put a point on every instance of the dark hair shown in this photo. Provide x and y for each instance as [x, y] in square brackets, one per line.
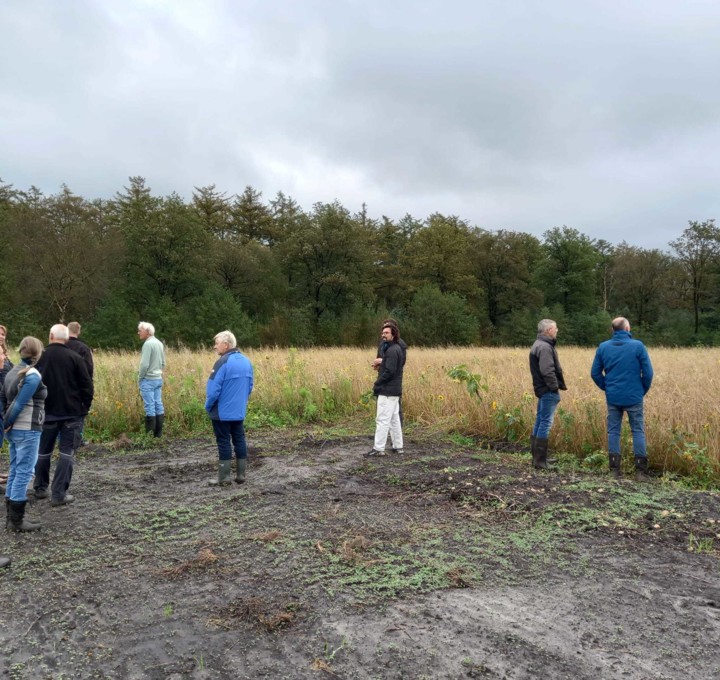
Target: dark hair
[393, 329]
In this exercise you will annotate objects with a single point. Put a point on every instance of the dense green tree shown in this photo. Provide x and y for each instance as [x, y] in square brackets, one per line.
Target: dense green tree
[640, 278]
[437, 318]
[329, 259]
[568, 272]
[697, 252]
[504, 262]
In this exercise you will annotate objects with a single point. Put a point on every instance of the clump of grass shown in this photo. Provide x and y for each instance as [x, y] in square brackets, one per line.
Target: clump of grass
[202, 560]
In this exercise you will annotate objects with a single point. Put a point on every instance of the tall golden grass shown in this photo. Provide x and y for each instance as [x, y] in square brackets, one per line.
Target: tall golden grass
[681, 409]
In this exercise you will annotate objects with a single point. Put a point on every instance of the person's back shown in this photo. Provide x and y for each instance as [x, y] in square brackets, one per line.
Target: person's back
[81, 348]
[70, 388]
[622, 368]
[231, 383]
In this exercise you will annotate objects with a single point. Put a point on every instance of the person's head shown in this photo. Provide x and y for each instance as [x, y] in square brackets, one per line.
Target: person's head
[59, 334]
[74, 329]
[145, 330]
[390, 332]
[3, 335]
[30, 349]
[224, 342]
[620, 324]
[548, 327]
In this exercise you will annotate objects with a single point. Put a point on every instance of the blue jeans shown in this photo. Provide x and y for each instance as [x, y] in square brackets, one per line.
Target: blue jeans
[230, 434]
[24, 445]
[637, 427]
[151, 393]
[545, 414]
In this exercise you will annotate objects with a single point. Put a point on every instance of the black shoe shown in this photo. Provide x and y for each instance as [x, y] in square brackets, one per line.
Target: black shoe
[614, 461]
[400, 451]
[373, 453]
[57, 502]
[41, 493]
[540, 455]
[4, 562]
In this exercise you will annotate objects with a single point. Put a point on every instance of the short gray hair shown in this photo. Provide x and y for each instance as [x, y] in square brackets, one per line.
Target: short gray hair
[147, 327]
[59, 332]
[545, 325]
[620, 324]
[226, 337]
[74, 327]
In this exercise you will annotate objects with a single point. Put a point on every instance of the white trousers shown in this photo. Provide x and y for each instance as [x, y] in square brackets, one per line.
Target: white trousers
[387, 420]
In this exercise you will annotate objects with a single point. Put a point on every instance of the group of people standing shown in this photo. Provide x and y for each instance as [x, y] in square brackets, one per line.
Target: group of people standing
[45, 398]
[621, 368]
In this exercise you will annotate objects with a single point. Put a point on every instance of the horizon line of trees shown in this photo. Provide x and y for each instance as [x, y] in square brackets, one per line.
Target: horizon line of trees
[276, 274]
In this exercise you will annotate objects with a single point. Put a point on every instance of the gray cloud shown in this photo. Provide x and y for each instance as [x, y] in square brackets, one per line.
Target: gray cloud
[519, 115]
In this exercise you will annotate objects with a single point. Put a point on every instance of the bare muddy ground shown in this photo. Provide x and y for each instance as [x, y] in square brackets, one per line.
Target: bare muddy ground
[449, 561]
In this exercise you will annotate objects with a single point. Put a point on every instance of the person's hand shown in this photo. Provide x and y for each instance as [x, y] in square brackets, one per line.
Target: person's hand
[376, 364]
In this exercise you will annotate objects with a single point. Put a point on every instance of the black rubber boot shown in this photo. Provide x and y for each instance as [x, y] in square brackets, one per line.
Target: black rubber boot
[532, 445]
[4, 562]
[540, 455]
[614, 459]
[17, 518]
[159, 422]
[240, 467]
[641, 469]
[7, 512]
[150, 424]
[224, 474]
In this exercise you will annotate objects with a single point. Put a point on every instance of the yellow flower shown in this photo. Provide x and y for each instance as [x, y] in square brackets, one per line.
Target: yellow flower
[440, 397]
[494, 406]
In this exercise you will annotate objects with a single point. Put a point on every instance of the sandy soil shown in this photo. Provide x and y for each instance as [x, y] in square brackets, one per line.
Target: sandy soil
[449, 561]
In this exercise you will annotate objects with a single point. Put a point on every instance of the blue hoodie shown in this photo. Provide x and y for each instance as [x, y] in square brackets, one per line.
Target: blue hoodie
[229, 387]
[622, 369]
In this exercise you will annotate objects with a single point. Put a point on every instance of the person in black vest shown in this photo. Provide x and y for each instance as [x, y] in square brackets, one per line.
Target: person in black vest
[70, 395]
[388, 390]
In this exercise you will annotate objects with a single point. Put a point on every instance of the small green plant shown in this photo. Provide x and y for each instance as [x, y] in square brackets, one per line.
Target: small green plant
[168, 610]
[474, 382]
[200, 662]
[701, 545]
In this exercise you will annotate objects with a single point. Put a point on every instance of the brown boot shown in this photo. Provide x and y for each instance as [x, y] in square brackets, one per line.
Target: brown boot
[614, 459]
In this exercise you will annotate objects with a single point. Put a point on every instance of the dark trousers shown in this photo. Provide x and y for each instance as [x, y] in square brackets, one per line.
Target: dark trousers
[69, 432]
[230, 434]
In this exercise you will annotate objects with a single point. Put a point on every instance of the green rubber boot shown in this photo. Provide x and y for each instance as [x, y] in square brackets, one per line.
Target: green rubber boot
[240, 466]
[224, 476]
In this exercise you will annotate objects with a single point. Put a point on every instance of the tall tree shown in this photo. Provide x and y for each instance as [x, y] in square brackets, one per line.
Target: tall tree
[567, 274]
[697, 251]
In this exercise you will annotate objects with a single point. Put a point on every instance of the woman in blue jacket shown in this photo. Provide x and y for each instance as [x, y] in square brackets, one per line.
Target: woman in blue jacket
[227, 394]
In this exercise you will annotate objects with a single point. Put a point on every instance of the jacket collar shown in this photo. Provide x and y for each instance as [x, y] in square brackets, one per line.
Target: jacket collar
[546, 338]
[622, 335]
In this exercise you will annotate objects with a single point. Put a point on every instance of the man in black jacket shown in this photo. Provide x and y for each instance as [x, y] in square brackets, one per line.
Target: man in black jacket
[77, 345]
[70, 394]
[388, 390]
[547, 377]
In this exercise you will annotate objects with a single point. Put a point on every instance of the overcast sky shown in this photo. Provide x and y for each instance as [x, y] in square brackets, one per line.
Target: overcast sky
[597, 114]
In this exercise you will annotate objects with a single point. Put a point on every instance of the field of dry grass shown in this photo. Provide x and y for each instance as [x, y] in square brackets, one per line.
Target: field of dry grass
[294, 386]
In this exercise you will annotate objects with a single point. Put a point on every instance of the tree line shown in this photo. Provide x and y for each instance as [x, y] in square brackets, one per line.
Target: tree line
[277, 274]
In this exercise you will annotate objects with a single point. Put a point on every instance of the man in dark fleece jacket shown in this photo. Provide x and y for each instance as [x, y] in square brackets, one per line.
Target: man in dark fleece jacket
[388, 390]
[70, 395]
[622, 370]
[548, 380]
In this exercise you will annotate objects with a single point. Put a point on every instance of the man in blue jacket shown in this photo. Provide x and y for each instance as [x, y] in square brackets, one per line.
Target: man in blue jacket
[622, 369]
[228, 390]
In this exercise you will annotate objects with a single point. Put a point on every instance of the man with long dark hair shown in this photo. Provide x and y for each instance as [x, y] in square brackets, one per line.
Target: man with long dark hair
[388, 390]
